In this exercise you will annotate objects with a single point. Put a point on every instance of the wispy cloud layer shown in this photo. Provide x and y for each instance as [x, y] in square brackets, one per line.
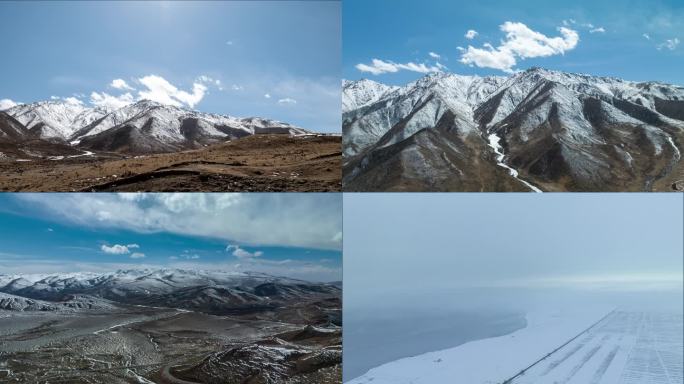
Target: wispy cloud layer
[378, 67]
[303, 220]
[670, 44]
[287, 101]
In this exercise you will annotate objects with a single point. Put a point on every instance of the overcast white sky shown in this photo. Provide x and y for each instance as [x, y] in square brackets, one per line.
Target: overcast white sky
[398, 243]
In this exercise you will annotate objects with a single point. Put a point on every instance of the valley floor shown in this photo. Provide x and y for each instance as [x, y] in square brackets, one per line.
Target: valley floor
[589, 348]
[153, 345]
[305, 163]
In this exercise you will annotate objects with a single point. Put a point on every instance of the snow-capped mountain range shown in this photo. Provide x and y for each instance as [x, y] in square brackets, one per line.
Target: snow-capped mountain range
[144, 126]
[537, 129]
[189, 289]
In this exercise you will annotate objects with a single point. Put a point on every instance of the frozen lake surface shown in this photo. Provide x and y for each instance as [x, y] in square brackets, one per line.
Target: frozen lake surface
[370, 342]
[596, 346]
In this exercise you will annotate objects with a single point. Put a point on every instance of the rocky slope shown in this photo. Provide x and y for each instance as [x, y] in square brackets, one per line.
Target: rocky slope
[535, 130]
[11, 130]
[310, 355]
[70, 303]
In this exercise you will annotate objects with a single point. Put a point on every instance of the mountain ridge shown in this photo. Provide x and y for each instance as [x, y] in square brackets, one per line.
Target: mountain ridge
[143, 126]
[217, 292]
[558, 131]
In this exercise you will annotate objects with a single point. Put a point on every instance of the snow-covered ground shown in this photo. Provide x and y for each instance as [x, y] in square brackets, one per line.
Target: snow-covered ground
[591, 347]
[627, 348]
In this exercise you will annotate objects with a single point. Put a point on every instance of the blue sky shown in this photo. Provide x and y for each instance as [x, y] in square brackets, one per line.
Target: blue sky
[297, 235]
[277, 59]
[634, 39]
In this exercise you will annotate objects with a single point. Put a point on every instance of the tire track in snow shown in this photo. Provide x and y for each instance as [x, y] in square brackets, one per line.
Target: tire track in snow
[579, 365]
[522, 372]
[604, 366]
[558, 362]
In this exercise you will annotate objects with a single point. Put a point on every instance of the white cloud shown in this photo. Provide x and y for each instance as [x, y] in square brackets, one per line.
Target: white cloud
[242, 253]
[121, 84]
[287, 101]
[73, 101]
[229, 42]
[236, 87]
[7, 104]
[299, 220]
[599, 30]
[115, 249]
[569, 22]
[69, 100]
[137, 255]
[111, 102]
[268, 95]
[50, 230]
[133, 246]
[471, 34]
[441, 66]
[161, 91]
[670, 44]
[434, 55]
[156, 88]
[205, 79]
[521, 42]
[646, 36]
[186, 255]
[379, 67]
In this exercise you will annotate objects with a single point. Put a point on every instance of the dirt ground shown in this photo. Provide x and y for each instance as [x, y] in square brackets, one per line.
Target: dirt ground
[255, 163]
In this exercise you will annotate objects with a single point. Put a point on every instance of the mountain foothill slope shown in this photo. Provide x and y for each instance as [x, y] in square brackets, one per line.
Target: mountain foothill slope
[537, 129]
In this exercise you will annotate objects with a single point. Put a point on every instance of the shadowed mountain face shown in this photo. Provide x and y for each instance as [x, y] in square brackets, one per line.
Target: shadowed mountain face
[10, 129]
[537, 129]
